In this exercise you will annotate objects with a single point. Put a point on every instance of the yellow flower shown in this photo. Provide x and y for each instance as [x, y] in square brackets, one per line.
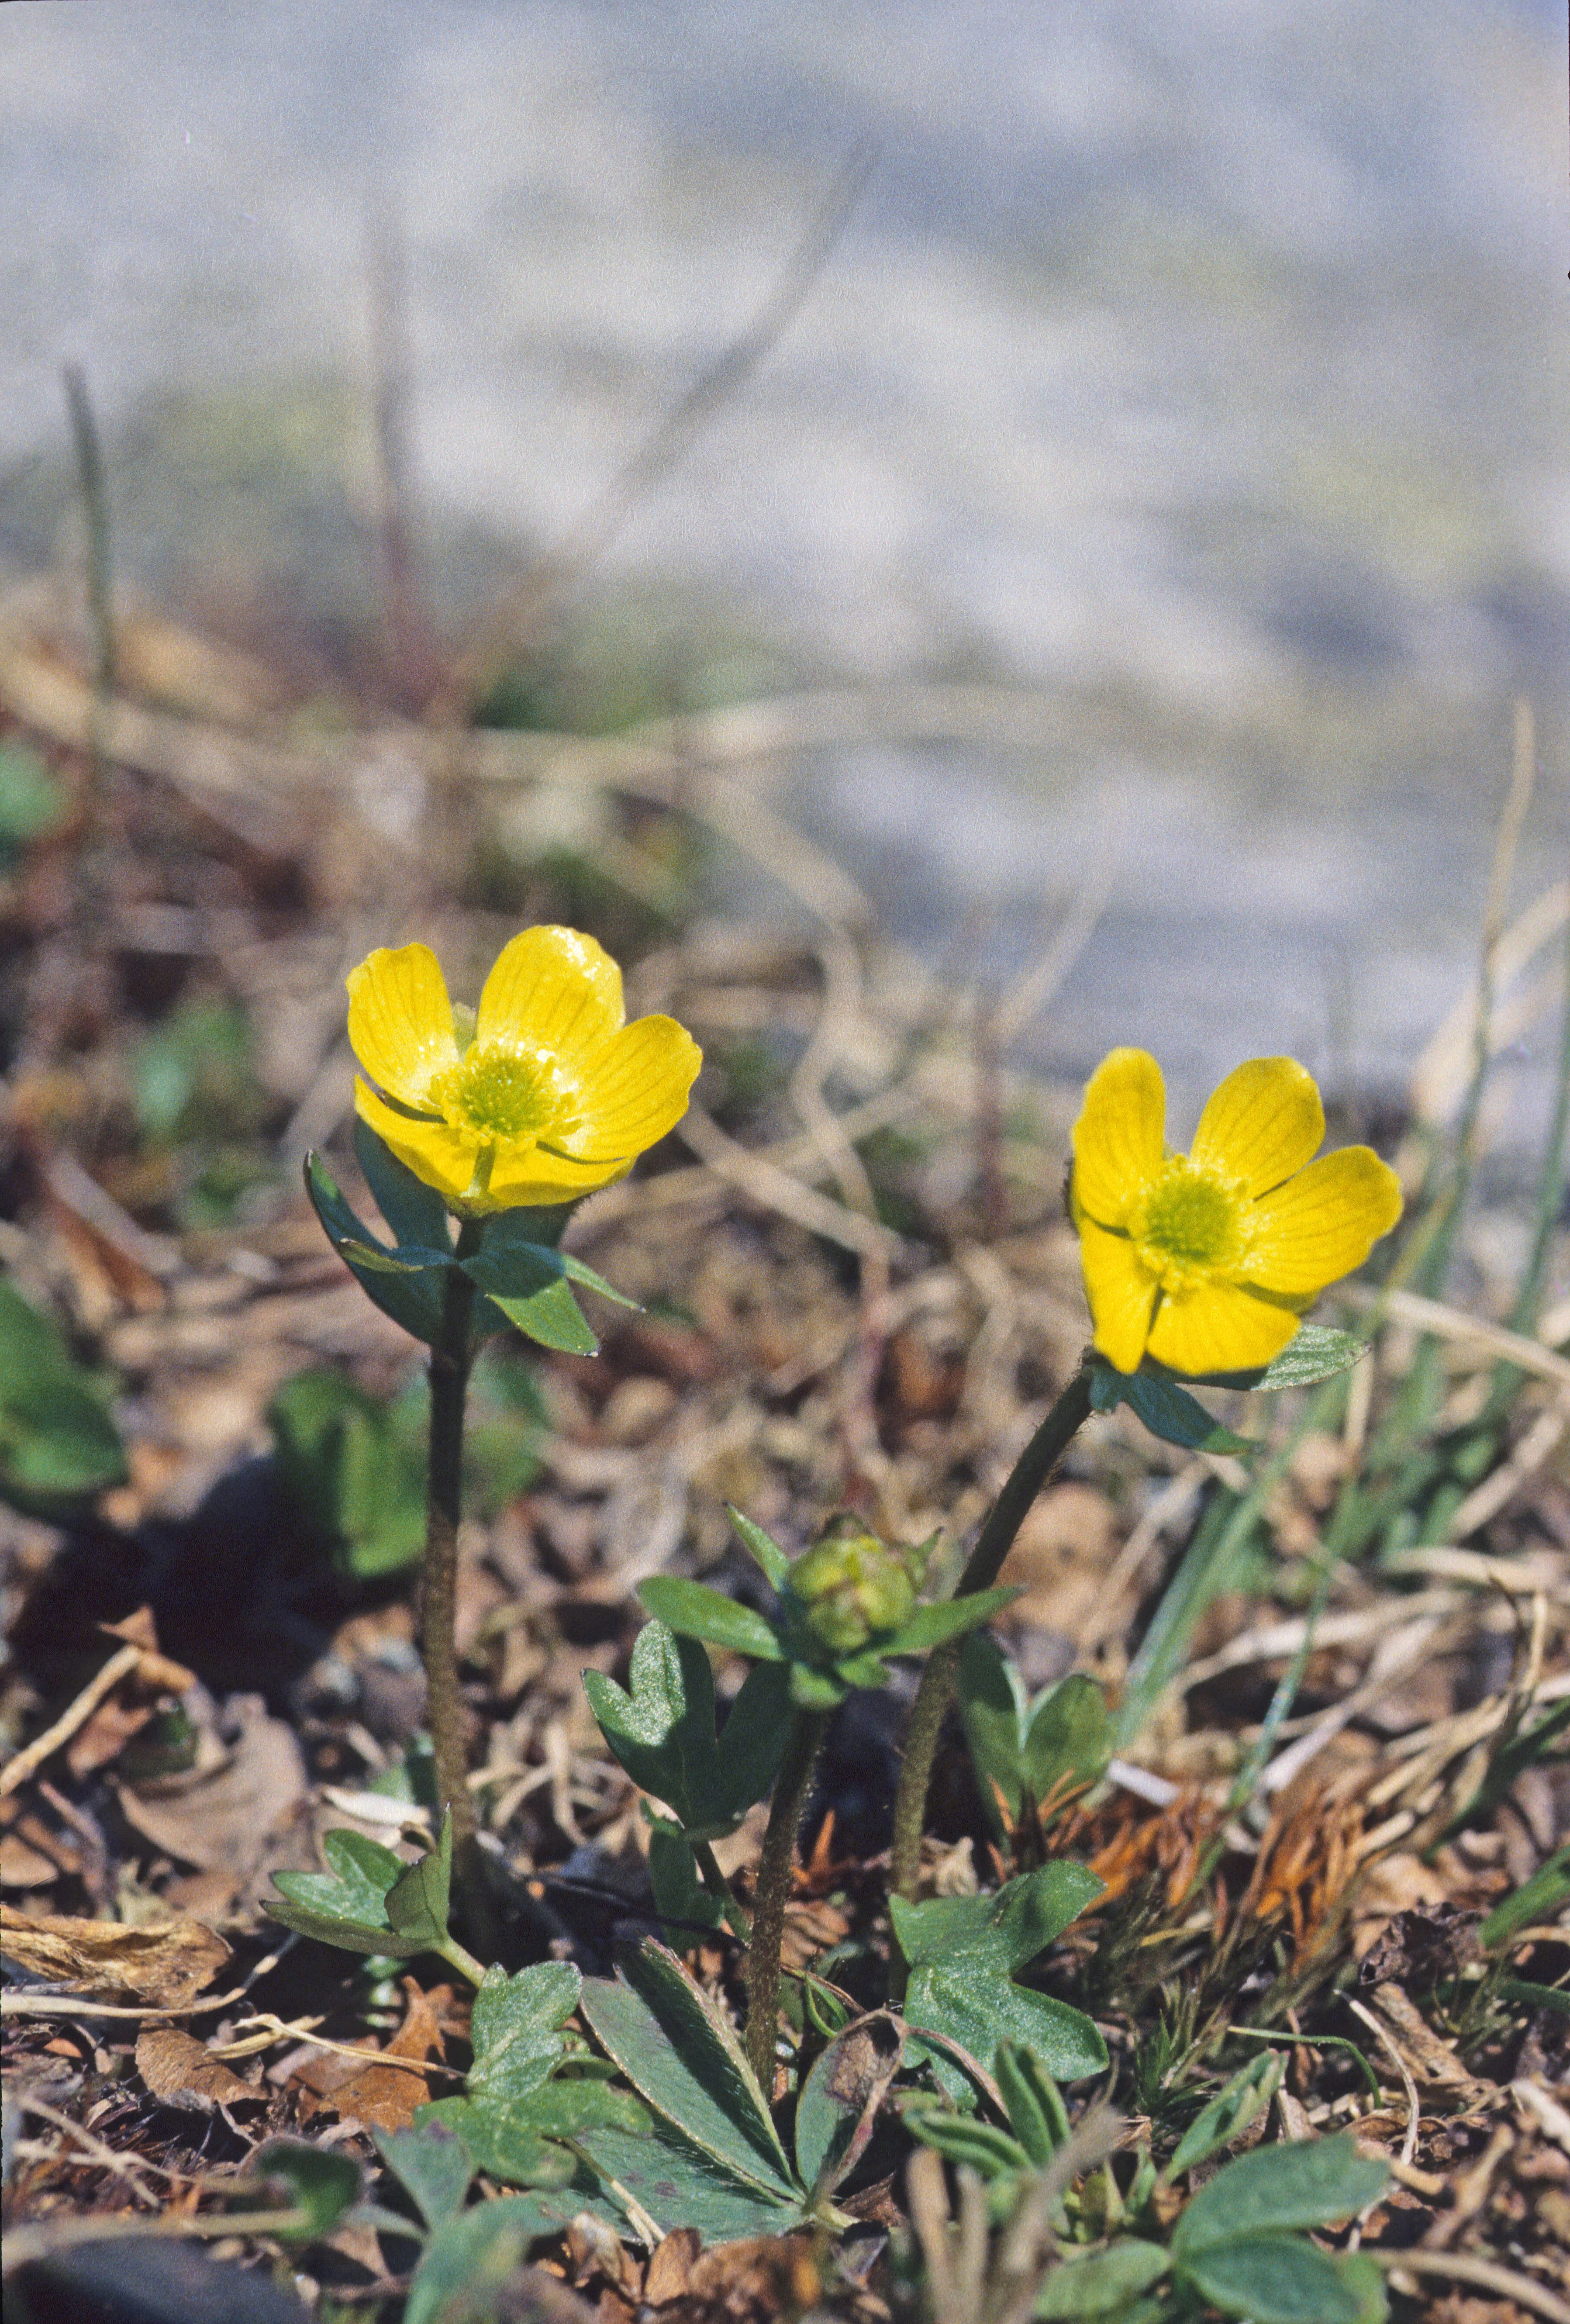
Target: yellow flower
[539, 1096]
[1205, 1260]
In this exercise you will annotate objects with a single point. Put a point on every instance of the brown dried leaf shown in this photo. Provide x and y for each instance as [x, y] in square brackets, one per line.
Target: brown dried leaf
[384, 2097]
[668, 2274]
[166, 1965]
[178, 2069]
[224, 1820]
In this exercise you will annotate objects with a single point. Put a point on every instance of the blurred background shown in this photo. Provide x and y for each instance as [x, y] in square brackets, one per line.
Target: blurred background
[1179, 386]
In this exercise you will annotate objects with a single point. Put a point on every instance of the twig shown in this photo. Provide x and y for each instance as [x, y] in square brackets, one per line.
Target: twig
[120, 1665]
[1462, 2267]
[91, 2146]
[1387, 2042]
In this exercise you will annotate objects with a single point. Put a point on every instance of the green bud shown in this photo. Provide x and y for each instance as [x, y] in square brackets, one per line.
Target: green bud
[854, 1587]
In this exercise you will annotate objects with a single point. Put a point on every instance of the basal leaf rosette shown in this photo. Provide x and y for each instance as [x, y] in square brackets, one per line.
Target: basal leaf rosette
[541, 1095]
[1204, 1261]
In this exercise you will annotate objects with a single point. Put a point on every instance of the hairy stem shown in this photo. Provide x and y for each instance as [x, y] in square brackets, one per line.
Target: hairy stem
[996, 1538]
[450, 1357]
[790, 1790]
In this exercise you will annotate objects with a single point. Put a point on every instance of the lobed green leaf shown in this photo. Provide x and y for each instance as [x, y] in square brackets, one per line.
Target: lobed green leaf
[696, 1611]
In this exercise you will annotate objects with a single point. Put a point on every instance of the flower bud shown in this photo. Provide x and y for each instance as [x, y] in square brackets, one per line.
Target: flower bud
[854, 1587]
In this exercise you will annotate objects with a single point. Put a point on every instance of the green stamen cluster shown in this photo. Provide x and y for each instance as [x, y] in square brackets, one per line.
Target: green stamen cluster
[1188, 1221]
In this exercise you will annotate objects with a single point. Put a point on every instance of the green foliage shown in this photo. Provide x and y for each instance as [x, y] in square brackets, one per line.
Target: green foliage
[1310, 2182]
[193, 1077]
[471, 2259]
[1545, 1894]
[1230, 2112]
[1103, 2283]
[32, 801]
[318, 2183]
[354, 1465]
[870, 1619]
[663, 1730]
[58, 1446]
[518, 2113]
[963, 1952]
[1028, 1752]
[527, 1285]
[1316, 1353]
[371, 1901]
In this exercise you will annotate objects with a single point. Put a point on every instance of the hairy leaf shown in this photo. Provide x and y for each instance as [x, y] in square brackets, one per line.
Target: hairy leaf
[1230, 2111]
[1309, 2183]
[696, 1611]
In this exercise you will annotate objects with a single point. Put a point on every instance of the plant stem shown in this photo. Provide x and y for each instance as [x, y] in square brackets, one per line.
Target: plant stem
[719, 1888]
[459, 1957]
[450, 1357]
[996, 1538]
[790, 1790]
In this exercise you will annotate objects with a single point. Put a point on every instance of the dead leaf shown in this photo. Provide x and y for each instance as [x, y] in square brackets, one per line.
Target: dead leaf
[166, 1965]
[176, 2067]
[384, 2097]
[106, 1733]
[668, 2274]
[225, 1820]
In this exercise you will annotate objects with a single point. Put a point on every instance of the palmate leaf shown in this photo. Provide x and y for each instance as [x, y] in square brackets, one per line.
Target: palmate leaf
[370, 1901]
[677, 2048]
[663, 1730]
[962, 1952]
[431, 2164]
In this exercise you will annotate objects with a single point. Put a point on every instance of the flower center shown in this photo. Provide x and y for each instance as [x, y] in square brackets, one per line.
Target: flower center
[505, 1092]
[1188, 1224]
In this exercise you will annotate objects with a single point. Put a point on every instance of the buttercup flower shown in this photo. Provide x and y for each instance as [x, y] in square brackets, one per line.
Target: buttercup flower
[539, 1096]
[1206, 1259]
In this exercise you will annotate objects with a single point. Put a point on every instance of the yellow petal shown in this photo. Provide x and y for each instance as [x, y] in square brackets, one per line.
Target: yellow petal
[401, 1019]
[634, 1090]
[438, 1157]
[525, 1175]
[1218, 1327]
[1262, 1123]
[1120, 1290]
[1322, 1223]
[554, 987]
[1118, 1139]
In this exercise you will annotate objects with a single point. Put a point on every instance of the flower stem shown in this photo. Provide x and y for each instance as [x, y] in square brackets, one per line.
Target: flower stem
[790, 1790]
[996, 1538]
[450, 1357]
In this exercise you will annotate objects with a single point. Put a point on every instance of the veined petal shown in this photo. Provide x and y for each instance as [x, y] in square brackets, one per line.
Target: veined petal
[1322, 1223]
[401, 1019]
[1263, 1122]
[438, 1157]
[1122, 1292]
[1118, 1138]
[1218, 1327]
[634, 1090]
[555, 988]
[524, 1174]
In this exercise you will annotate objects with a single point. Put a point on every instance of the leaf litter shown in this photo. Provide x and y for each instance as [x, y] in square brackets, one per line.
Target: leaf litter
[857, 1289]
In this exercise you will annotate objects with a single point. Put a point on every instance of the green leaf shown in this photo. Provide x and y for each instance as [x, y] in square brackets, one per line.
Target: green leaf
[414, 1212]
[431, 2165]
[960, 2137]
[470, 2260]
[1315, 1353]
[680, 1898]
[679, 2052]
[1037, 2113]
[352, 1905]
[776, 1566]
[696, 1611]
[58, 1446]
[1274, 2279]
[663, 1729]
[753, 1744]
[1167, 1411]
[680, 2185]
[314, 2180]
[414, 1300]
[930, 1625]
[1103, 2282]
[837, 2109]
[1542, 1895]
[417, 1901]
[816, 1690]
[32, 800]
[962, 1951]
[528, 1282]
[1308, 2183]
[584, 1277]
[993, 1711]
[515, 2030]
[1230, 2111]
[357, 1481]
